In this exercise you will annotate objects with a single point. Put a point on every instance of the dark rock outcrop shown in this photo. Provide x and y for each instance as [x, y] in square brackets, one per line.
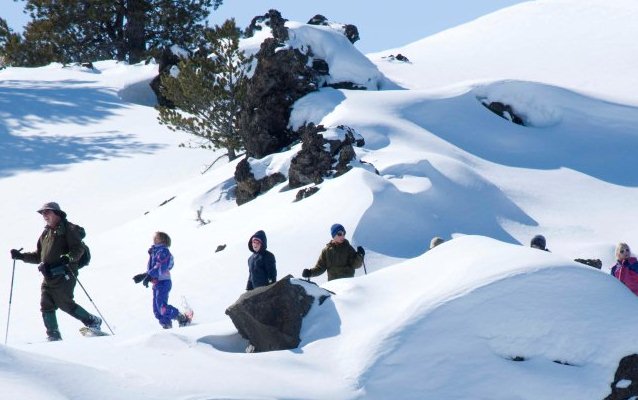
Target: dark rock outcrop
[314, 162]
[350, 31]
[625, 384]
[248, 187]
[282, 77]
[398, 57]
[307, 192]
[270, 317]
[167, 60]
[592, 262]
[504, 111]
[271, 19]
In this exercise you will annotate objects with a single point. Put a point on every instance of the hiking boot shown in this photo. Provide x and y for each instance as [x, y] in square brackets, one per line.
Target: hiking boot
[183, 319]
[54, 336]
[94, 323]
[167, 325]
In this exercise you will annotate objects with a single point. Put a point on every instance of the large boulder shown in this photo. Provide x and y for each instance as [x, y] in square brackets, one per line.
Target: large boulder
[270, 317]
[625, 384]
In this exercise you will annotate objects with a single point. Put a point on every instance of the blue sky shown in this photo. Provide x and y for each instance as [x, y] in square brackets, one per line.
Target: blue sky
[385, 26]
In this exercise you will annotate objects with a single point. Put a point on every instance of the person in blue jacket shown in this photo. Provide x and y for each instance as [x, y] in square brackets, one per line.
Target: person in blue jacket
[262, 267]
[158, 272]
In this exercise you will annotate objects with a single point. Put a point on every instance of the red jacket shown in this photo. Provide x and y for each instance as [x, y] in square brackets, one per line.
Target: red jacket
[627, 273]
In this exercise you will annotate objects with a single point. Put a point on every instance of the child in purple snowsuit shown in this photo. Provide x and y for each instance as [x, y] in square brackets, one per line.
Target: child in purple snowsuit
[158, 272]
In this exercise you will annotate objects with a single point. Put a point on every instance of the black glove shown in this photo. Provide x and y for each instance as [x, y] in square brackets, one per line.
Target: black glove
[64, 259]
[306, 273]
[16, 254]
[361, 251]
[146, 280]
[139, 277]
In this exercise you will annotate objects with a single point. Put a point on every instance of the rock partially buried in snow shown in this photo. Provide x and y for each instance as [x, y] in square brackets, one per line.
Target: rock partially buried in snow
[270, 317]
[625, 384]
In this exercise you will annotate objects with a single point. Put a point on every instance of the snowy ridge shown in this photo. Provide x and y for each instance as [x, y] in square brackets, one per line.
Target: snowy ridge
[556, 42]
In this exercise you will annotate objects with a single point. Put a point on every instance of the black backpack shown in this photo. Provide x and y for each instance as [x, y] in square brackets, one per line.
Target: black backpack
[86, 256]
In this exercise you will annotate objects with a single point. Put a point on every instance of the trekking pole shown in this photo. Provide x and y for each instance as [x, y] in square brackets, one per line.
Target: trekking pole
[91, 300]
[13, 273]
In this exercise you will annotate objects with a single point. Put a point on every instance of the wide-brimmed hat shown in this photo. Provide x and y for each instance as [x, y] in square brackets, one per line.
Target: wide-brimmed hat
[53, 206]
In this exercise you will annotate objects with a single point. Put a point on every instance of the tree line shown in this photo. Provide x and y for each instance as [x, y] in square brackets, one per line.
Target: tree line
[204, 90]
[68, 31]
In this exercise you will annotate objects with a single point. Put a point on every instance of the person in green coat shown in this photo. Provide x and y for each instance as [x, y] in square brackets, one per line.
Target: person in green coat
[339, 258]
[58, 251]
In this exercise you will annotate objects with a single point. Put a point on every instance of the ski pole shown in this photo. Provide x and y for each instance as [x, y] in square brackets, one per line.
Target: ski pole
[364, 266]
[13, 273]
[91, 300]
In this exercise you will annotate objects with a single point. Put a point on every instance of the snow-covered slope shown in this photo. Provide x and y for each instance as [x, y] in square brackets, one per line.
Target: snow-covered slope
[587, 46]
[446, 323]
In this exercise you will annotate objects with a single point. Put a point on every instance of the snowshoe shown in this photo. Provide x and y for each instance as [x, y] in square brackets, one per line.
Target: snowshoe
[185, 318]
[92, 332]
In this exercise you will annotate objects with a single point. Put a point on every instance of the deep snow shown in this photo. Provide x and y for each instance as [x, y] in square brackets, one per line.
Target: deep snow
[446, 323]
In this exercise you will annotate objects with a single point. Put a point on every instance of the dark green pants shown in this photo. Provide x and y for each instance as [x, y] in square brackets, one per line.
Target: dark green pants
[58, 293]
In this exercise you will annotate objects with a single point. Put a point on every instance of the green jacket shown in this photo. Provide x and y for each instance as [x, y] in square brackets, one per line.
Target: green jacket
[55, 242]
[340, 260]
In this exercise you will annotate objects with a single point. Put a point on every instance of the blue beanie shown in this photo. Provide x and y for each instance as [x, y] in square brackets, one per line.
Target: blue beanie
[336, 228]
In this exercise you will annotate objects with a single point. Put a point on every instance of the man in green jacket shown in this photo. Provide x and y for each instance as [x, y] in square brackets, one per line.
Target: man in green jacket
[58, 251]
[339, 258]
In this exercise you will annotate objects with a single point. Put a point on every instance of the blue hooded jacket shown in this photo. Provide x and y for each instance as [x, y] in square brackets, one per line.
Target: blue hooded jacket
[160, 263]
[262, 267]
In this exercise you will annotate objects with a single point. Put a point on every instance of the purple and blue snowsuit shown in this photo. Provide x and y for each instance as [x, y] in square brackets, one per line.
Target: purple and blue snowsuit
[159, 267]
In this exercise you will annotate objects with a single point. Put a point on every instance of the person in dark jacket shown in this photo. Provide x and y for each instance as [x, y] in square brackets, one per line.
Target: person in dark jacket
[339, 258]
[58, 251]
[262, 267]
[626, 267]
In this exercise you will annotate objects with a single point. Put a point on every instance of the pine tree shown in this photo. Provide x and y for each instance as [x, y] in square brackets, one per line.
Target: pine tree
[207, 91]
[125, 30]
[11, 47]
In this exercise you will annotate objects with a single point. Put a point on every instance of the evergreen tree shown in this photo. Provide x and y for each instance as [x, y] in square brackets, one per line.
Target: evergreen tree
[207, 91]
[11, 47]
[125, 30]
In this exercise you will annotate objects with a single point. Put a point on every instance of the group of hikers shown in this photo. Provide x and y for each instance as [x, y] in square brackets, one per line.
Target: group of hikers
[60, 250]
[625, 269]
